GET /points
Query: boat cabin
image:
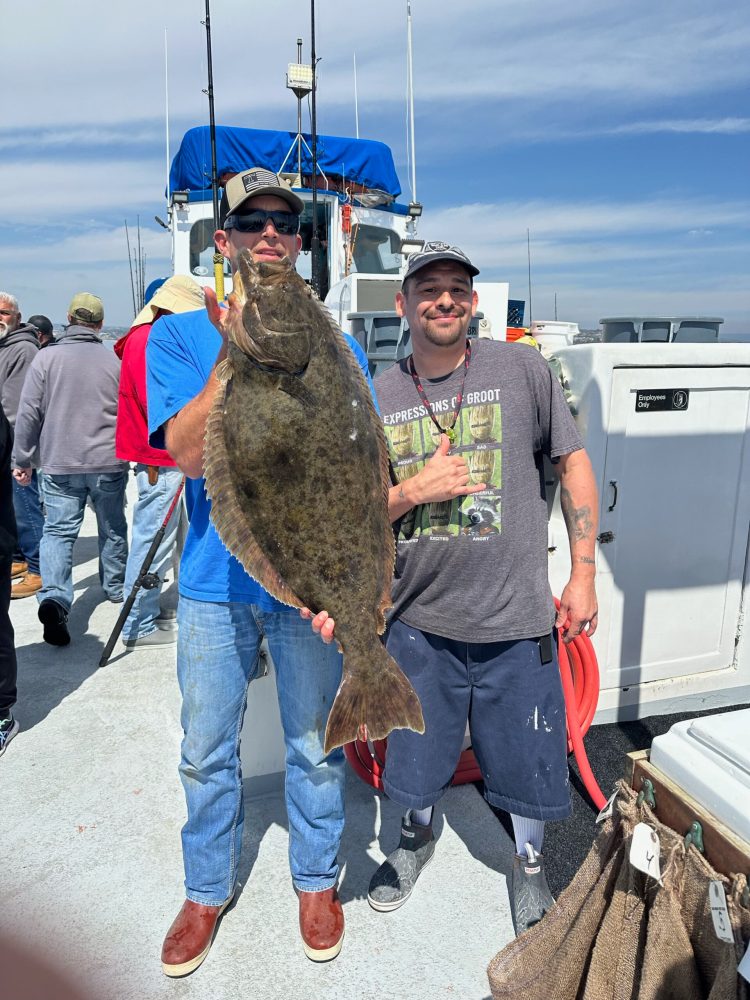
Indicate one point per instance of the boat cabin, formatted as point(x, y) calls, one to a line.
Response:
point(361, 225)
point(364, 232)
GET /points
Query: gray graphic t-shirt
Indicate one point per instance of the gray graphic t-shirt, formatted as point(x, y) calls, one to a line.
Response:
point(475, 569)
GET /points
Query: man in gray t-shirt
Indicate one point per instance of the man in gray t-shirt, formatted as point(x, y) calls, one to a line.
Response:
point(468, 424)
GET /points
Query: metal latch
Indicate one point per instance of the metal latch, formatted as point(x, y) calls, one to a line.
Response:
point(647, 794)
point(694, 836)
point(606, 536)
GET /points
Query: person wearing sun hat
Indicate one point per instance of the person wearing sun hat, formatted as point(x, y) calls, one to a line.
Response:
point(157, 476)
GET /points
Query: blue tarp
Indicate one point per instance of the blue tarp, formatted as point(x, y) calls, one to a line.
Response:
point(362, 161)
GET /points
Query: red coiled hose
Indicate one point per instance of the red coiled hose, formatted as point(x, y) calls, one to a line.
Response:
point(579, 673)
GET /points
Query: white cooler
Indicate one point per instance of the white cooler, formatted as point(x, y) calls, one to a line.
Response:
point(709, 758)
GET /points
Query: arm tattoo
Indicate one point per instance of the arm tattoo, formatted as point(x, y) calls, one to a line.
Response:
point(587, 559)
point(578, 519)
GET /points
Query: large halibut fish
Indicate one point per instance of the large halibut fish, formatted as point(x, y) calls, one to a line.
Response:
point(296, 466)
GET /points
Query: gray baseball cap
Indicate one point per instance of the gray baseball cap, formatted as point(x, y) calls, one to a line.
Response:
point(433, 252)
point(253, 182)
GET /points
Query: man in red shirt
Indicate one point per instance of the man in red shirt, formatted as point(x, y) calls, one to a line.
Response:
point(157, 476)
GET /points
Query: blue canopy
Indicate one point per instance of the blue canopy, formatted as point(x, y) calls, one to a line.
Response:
point(362, 161)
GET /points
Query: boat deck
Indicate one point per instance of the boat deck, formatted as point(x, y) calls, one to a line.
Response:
point(93, 871)
point(91, 842)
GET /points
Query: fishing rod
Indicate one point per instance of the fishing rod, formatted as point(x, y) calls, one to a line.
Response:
point(218, 258)
point(315, 241)
point(144, 579)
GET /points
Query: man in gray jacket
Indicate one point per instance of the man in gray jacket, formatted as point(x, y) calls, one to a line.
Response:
point(19, 345)
point(68, 409)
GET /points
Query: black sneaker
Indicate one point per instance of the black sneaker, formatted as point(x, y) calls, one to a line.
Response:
point(393, 882)
point(530, 896)
point(8, 729)
point(54, 617)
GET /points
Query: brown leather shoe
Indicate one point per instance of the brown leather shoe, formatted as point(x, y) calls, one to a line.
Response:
point(26, 586)
point(321, 924)
point(188, 940)
point(18, 568)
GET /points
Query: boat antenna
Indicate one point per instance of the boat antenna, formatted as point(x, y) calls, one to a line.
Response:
point(356, 102)
point(410, 102)
point(528, 255)
point(209, 92)
point(166, 112)
point(315, 241)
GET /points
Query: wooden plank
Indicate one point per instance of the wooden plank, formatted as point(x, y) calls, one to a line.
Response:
point(630, 763)
point(724, 850)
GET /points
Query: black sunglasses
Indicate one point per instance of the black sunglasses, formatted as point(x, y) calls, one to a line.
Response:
point(285, 223)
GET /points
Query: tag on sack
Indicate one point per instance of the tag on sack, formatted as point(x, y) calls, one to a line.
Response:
point(606, 810)
point(717, 900)
point(744, 967)
point(645, 850)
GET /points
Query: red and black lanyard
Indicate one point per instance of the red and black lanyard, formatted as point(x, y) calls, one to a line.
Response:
point(449, 431)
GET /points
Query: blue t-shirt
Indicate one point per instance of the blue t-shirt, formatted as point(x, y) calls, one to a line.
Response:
point(181, 352)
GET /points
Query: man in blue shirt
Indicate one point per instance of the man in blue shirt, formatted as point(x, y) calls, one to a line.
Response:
point(223, 616)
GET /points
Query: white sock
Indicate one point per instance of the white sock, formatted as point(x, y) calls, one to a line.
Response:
point(422, 817)
point(527, 831)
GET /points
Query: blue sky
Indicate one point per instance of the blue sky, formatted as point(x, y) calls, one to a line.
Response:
point(619, 135)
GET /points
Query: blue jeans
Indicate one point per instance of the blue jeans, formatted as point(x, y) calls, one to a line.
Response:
point(217, 657)
point(29, 521)
point(148, 515)
point(65, 501)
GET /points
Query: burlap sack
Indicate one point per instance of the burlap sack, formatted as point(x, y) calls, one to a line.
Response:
point(716, 960)
point(670, 971)
point(551, 959)
point(615, 969)
point(615, 934)
point(738, 903)
point(683, 958)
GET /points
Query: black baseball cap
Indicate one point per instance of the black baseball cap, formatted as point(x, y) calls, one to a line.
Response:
point(433, 252)
point(42, 324)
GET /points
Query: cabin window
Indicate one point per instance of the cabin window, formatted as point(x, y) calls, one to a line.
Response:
point(655, 331)
point(375, 250)
point(619, 333)
point(202, 249)
point(696, 332)
point(304, 261)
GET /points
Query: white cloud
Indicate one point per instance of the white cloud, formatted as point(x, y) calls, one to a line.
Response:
point(664, 256)
point(485, 225)
point(79, 189)
point(488, 52)
point(699, 126)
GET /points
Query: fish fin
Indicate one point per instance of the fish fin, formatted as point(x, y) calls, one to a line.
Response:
point(224, 370)
point(378, 696)
point(296, 388)
point(388, 540)
point(226, 513)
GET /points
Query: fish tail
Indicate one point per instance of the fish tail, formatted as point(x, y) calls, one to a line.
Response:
point(378, 696)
